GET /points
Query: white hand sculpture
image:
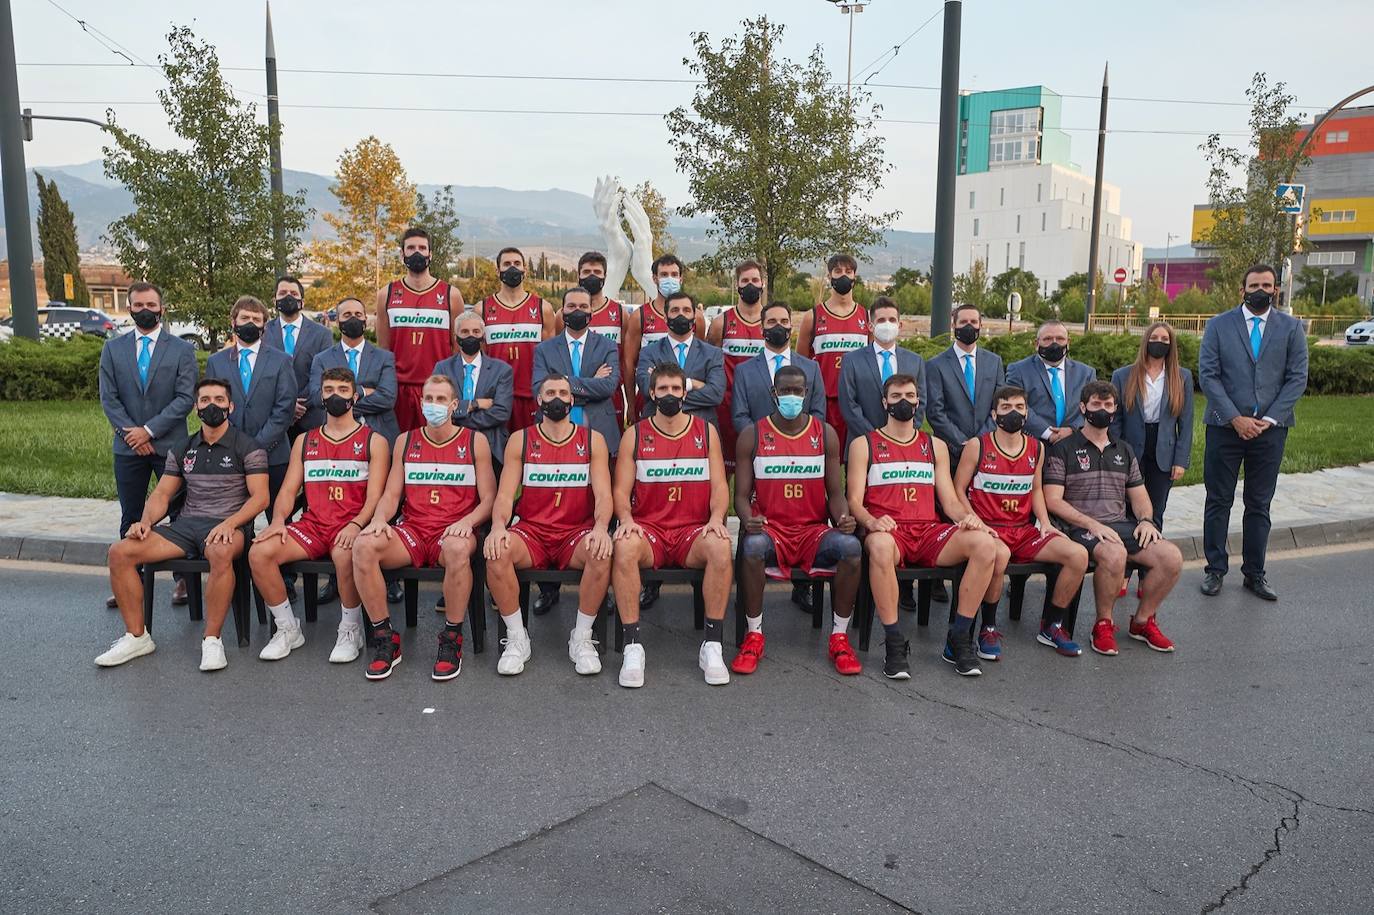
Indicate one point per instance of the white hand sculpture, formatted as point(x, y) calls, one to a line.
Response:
point(642, 258)
point(606, 205)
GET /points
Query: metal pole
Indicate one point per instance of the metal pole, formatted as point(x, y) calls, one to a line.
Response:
point(1168, 244)
point(1326, 271)
point(946, 171)
point(1091, 298)
point(274, 124)
point(15, 185)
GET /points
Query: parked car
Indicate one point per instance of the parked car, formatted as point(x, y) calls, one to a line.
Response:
point(1360, 334)
point(91, 320)
point(193, 334)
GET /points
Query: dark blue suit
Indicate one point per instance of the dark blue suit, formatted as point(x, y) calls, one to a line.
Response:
point(376, 370)
point(861, 390)
point(752, 394)
point(496, 382)
point(705, 363)
point(312, 339)
point(592, 394)
point(953, 416)
point(265, 411)
point(1032, 375)
point(1158, 447)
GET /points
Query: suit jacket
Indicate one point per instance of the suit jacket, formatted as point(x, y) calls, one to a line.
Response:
point(752, 392)
point(953, 416)
point(705, 362)
point(163, 407)
point(496, 382)
point(1174, 444)
point(269, 407)
point(861, 390)
point(1032, 375)
point(376, 370)
point(1236, 384)
point(592, 394)
point(312, 339)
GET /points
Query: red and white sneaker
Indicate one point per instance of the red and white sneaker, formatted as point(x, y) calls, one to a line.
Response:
point(1148, 632)
point(385, 647)
point(1104, 637)
point(842, 655)
point(750, 651)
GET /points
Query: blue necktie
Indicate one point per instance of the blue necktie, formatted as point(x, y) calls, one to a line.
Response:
point(290, 331)
point(469, 384)
point(682, 355)
point(887, 364)
point(245, 370)
point(352, 355)
point(1057, 391)
point(145, 358)
point(777, 364)
point(1255, 336)
point(576, 345)
point(968, 376)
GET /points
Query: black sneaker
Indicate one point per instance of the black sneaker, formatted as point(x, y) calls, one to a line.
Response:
point(450, 661)
point(896, 667)
point(801, 595)
point(385, 647)
point(906, 596)
point(330, 592)
point(961, 653)
point(547, 599)
point(648, 594)
point(395, 592)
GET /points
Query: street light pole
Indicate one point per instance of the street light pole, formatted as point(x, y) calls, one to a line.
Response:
point(1168, 245)
point(274, 124)
point(946, 172)
point(850, 8)
point(1326, 272)
point(14, 182)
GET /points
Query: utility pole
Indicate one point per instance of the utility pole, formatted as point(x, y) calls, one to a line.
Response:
point(274, 124)
point(1168, 243)
point(1091, 298)
point(946, 171)
point(850, 8)
point(1326, 272)
point(14, 182)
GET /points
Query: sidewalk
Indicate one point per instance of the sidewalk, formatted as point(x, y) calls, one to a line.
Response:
point(1309, 510)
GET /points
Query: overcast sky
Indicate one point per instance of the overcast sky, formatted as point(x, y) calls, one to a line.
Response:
point(1195, 51)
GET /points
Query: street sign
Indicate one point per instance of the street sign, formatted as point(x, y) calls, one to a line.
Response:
point(1120, 275)
point(1290, 198)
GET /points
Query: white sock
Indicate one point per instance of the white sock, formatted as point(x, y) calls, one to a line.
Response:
point(584, 623)
point(841, 623)
point(755, 623)
point(515, 624)
point(350, 616)
point(283, 615)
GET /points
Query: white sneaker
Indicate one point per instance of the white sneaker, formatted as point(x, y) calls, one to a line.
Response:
point(284, 641)
point(712, 664)
point(516, 654)
point(212, 654)
point(125, 648)
point(582, 652)
point(632, 666)
point(348, 646)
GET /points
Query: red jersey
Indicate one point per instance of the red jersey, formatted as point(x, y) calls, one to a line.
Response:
point(740, 340)
point(512, 335)
point(606, 321)
point(672, 475)
point(653, 326)
point(557, 480)
point(440, 479)
point(336, 472)
point(1000, 492)
point(789, 474)
point(421, 337)
point(901, 479)
point(832, 338)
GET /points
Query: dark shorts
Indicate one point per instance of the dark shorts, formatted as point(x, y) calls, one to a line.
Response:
point(1124, 529)
point(189, 533)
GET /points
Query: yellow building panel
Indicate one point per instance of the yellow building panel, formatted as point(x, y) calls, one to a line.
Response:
point(1336, 210)
point(1203, 220)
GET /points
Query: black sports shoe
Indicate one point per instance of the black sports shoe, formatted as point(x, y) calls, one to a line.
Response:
point(385, 647)
point(1211, 584)
point(648, 594)
point(906, 596)
point(330, 592)
point(450, 661)
point(896, 666)
point(395, 592)
point(1260, 587)
point(547, 599)
point(801, 595)
point(938, 592)
point(961, 654)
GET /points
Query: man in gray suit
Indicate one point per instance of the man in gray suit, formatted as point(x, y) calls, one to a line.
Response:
point(147, 388)
point(373, 368)
point(1052, 382)
point(1253, 369)
point(752, 395)
point(486, 387)
point(961, 381)
point(703, 363)
point(302, 340)
point(863, 372)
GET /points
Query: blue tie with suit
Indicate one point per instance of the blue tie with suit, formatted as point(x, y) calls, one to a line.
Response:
point(968, 376)
point(576, 358)
point(245, 369)
point(777, 364)
point(469, 381)
point(887, 364)
point(1255, 337)
point(1057, 392)
point(682, 356)
point(352, 355)
point(289, 341)
point(145, 358)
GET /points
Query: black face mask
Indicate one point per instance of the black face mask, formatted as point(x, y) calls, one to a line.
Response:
point(577, 319)
point(288, 305)
point(903, 411)
point(470, 345)
point(512, 277)
point(556, 409)
point(1259, 301)
point(680, 325)
point(1010, 422)
point(749, 294)
point(1157, 349)
point(842, 284)
point(416, 262)
point(146, 319)
point(966, 334)
point(337, 405)
point(1098, 419)
point(777, 336)
point(592, 283)
point(353, 328)
point(248, 333)
point(1053, 352)
point(668, 404)
point(212, 415)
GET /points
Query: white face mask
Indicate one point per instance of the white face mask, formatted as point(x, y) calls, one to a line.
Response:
point(885, 332)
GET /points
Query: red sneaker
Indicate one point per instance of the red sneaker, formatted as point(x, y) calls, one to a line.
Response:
point(1148, 632)
point(750, 651)
point(845, 660)
point(1104, 637)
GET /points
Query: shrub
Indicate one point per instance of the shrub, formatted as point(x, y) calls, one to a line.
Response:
point(55, 369)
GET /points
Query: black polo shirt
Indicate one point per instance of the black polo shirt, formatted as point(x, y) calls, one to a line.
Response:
point(216, 475)
point(1095, 481)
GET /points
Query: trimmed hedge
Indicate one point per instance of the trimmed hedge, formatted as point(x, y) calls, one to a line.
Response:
point(55, 369)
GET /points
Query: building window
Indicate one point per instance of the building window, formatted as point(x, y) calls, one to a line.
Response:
point(1008, 255)
point(1338, 136)
point(1331, 259)
point(975, 228)
point(1021, 259)
point(1039, 191)
point(1018, 223)
point(1002, 197)
point(1083, 198)
point(970, 199)
point(1043, 219)
point(1082, 222)
point(1338, 216)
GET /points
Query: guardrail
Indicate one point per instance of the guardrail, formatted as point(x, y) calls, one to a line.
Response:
point(1130, 322)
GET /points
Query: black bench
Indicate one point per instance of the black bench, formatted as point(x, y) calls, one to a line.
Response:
point(924, 577)
point(191, 570)
point(798, 577)
point(693, 577)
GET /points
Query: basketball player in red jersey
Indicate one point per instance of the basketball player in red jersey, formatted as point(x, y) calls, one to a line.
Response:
point(895, 475)
point(738, 331)
point(833, 328)
point(564, 511)
point(342, 466)
point(649, 324)
point(442, 482)
point(999, 480)
point(415, 320)
point(516, 323)
point(671, 498)
point(789, 488)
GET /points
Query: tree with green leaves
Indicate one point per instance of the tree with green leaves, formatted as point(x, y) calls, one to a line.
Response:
point(773, 152)
point(1249, 226)
point(201, 222)
point(438, 216)
point(1309, 281)
point(57, 241)
point(973, 288)
point(1014, 279)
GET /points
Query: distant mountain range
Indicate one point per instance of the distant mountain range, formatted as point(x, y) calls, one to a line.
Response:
point(557, 221)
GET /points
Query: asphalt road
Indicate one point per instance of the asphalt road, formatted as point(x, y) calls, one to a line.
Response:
point(1231, 776)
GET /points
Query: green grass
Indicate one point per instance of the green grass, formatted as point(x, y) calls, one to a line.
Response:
point(62, 448)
